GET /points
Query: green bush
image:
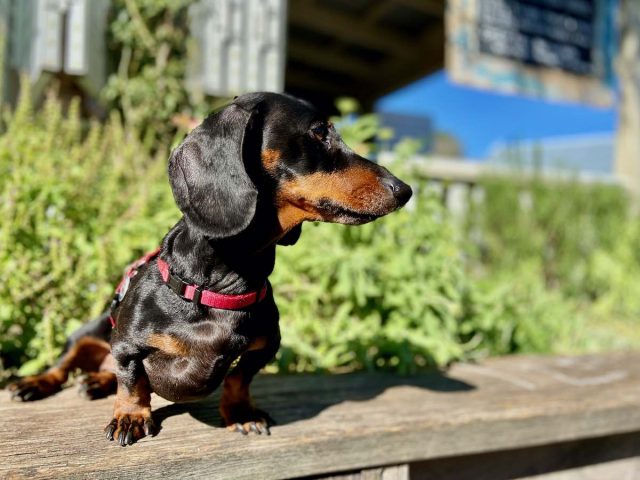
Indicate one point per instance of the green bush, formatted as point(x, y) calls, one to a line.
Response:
point(150, 50)
point(557, 224)
point(78, 204)
point(150, 42)
point(577, 241)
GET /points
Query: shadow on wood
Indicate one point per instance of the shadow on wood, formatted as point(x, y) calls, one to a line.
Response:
point(313, 393)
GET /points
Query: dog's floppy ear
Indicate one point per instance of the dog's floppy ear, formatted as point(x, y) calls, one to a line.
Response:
point(291, 237)
point(208, 176)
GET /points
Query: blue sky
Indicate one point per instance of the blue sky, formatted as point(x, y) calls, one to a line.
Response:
point(478, 118)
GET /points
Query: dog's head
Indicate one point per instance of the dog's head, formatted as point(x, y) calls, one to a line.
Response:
point(267, 148)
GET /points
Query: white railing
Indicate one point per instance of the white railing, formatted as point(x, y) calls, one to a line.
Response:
point(458, 179)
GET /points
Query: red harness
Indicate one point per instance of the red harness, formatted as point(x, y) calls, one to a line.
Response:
point(187, 291)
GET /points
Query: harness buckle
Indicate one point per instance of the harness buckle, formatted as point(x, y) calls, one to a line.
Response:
point(176, 284)
point(197, 295)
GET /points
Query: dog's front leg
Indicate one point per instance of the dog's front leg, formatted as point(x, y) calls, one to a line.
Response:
point(132, 410)
point(236, 406)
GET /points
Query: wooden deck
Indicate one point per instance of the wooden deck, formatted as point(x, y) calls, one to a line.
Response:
point(350, 423)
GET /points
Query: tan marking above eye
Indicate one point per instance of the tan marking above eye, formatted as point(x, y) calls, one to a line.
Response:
point(270, 159)
point(358, 189)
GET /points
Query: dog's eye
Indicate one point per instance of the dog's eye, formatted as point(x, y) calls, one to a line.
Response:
point(320, 131)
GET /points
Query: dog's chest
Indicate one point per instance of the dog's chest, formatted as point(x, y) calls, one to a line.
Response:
point(191, 363)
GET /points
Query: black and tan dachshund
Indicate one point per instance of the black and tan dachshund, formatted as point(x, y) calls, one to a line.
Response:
point(245, 180)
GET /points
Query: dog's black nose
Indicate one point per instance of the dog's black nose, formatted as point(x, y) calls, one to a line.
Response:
point(401, 191)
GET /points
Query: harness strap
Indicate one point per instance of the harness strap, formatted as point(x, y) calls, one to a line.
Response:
point(208, 298)
point(190, 292)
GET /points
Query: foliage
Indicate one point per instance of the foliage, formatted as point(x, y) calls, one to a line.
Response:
point(358, 130)
point(577, 240)
point(557, 224)
point(77, 205)
point(148, 86)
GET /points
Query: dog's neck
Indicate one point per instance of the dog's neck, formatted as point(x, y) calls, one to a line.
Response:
point(231, 266)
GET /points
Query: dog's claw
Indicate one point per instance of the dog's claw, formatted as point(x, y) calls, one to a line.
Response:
point(82, 383)
point(19, 394)
point(246, 419)
point(129, 437)
point(237, 427)
point(127, 429)
point(149, 427)
point(263, 427)
point(109, 429)
point(33, 388)
point(258, 427)
point(254, 428)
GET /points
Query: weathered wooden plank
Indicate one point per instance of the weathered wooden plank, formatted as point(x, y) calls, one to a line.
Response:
point(612, 455)
point(337, 423)
point(394, 472)
point(625, 469)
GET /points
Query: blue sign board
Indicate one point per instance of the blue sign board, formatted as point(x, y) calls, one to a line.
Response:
point(554, 49)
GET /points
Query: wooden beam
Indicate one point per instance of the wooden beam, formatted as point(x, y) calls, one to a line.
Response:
point(377, 11)
point(314, 16)
point(427, 57)
point(373, 80)
point(337, 423)
point(332, 60)
point(410, 59)
point(430, 7)
point(297, 79)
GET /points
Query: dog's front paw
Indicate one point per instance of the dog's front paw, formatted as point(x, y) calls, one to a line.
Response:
point(128, 428)
point(35, 387)
point(244, 418)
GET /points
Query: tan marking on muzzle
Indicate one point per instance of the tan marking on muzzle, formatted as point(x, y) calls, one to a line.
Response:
point(358, 189)
point(290, 216)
